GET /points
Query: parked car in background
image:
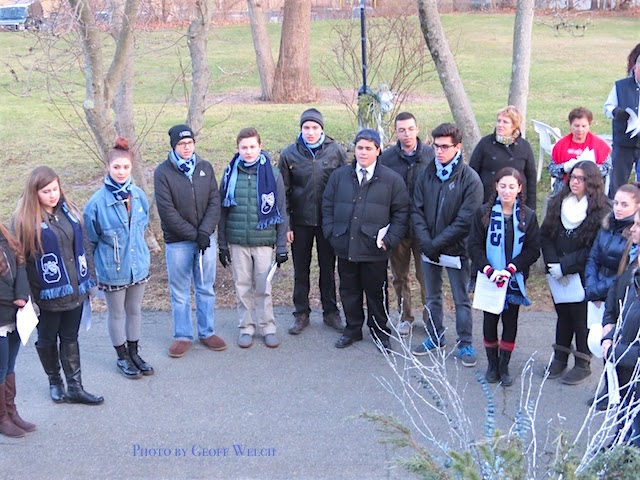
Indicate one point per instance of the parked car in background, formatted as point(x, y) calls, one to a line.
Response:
point(21, 15)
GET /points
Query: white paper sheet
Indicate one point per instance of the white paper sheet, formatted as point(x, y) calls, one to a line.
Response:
point(381, 233)
point(633, 124)
point(85, 320)
point(272, 273)
point(448, 261)
point(587, 155)
point(594, 314)
point(568, 289)
point(594, 340)
point(26, 321)
point(614, 386)
point(488, 296)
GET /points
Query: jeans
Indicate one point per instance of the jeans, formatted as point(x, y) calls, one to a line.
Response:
point(58, 324)
point(184, 267)
point(9, 347)
point(458, 280)
point(301, 249)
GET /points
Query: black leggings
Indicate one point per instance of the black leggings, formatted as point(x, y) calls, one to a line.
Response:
point(572, 320)
point(59, 324)
point(509, 325)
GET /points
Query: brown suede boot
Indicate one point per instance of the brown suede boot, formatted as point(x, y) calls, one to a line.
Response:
point(7, 427)
point(10, 395)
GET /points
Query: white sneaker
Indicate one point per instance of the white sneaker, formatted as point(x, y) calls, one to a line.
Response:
point(404, 328)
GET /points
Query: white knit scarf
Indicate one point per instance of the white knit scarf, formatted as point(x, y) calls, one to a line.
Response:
point(573, 212)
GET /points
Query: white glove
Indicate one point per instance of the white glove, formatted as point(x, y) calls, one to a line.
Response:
point(505, 275)
point(569, 165)
point(555, 270)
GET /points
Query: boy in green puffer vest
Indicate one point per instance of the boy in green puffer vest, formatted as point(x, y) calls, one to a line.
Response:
point(253, 220)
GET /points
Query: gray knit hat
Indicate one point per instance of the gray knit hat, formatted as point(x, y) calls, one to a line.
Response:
point(312, 115)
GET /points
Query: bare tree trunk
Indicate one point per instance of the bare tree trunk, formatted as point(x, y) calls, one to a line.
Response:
point(197, 40)
point(262, 46)
point(438, 45)
point(292, 82)
point(520, 65)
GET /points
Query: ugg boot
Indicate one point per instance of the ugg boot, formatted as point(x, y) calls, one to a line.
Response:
point(580, 371)
point(559, 363)
point(125, 365)
point(51, 364)
point(144, 367)
point(493, 374)
point(503, 367)
point(70, 356)
point(7, 427)
point(10, 395)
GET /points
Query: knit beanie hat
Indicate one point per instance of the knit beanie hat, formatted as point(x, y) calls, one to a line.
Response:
point(178, 132)
point(368, 134)
point(312, 115)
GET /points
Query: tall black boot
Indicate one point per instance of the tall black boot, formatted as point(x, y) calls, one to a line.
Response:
point(493, 374)
point(70, 356)
point(125, 364)
point(580, 371)
point(144, 367)
point(503, 367)
point(51, 364)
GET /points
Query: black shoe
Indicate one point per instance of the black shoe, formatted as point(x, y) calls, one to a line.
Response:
point(144, 367)
point(386, 345)
point(344, 341)
point(70, 357)
point(300, 322)
point(503, 368)
point(125, 364)
point(51, 364)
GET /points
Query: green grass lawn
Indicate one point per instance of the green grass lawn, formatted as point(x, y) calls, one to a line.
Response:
point(566, 72)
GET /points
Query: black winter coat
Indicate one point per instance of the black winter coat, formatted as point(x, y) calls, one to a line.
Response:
point(530, 250)
point(185, 206)
point(305, 177)
point(353, 215)
point(607, 250)
point(441, 213)
point(13, 283)
point(490, 156)
point(408, 166)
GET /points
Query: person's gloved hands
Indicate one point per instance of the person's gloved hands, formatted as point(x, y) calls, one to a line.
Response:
point(281, 258)
point(620, 114)
point(225, 257)
point(555, 270)
point(569, 165)
point(493, 275)
point(203, 241)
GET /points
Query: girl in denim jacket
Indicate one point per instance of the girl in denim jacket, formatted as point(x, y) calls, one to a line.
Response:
point(116, 218)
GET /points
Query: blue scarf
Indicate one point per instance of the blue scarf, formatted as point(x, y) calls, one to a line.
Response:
point(516, 293)
point(186, 166)
point(313, 147)
point(268, 213)
point(121, 191)
point(53, 277)
point(444, 171)
point(633, 253)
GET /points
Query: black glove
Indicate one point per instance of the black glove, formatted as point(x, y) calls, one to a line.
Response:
point(203, 241)
point(620, 114)
point(225, 257)
point(281, 258)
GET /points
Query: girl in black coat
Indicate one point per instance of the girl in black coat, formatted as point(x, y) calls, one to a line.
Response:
point(567, 233)
point(14, 293)
point(503, 243)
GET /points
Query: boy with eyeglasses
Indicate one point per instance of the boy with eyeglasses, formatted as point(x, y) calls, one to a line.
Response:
point(446, 196)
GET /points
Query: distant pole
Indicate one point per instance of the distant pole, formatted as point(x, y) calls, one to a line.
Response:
point(363, 36)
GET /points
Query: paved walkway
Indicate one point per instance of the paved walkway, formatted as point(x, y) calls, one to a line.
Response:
point(257, 413)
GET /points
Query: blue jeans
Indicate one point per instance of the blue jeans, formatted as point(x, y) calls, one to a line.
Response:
point(433, 284)
point(183, 267)
point(9, 347)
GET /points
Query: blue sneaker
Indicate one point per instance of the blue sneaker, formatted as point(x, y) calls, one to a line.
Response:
point(426, 347)
point(467, 355)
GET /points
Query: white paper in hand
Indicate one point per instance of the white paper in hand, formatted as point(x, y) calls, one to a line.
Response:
point(272, 273)
point(488, 296)
point(85, 320)
point(381, 233)
point(587, 155)
point(26, 321)
point(568, 289)
point(633, 124)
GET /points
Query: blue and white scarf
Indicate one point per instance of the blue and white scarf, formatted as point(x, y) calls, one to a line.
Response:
point(186, 166)
point(496, 252)
point(268, 213)
point(313, 147)
point(444, 171)
point(121, 191)
point(52, 273)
